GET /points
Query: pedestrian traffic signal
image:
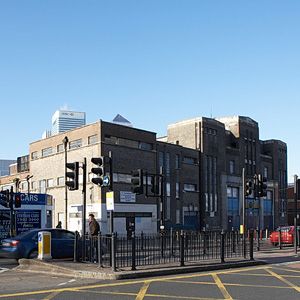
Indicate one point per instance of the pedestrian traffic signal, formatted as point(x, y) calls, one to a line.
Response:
point(17, 201)
point(4, 198)
point(262, 186)
point(99, 171)
point(73, 175)
point(248, 188)
point(137, 181)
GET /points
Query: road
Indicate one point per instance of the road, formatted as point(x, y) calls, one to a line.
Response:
point(278, 281)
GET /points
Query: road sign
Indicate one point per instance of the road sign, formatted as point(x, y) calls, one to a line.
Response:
point(106, 181)
point(110, 201)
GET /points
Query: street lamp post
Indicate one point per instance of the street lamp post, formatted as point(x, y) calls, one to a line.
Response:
point(65, 142)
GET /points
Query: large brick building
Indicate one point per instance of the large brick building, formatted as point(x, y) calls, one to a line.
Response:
point(202, 162)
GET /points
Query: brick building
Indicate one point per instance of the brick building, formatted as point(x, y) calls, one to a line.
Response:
point(202, 162)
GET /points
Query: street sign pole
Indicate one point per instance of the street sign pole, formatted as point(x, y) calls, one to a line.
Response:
point(83, 208)
point(295, 212)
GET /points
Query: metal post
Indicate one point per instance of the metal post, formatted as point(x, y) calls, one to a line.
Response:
point(295, 212)
point(99, 250)
point(251, 245)
point(113, 252)
point(133, 268)
point(84, 208)
point(279, 238)
point(244, 213)
point(12, 213)
point(181, 248)
point(65, 141)
point(76, 247)
point(222, 247)
point(111, 213)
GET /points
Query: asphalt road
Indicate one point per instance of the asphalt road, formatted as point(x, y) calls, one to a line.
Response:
point(281, 281)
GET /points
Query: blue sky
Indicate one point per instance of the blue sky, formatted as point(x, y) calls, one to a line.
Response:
point(155, 62)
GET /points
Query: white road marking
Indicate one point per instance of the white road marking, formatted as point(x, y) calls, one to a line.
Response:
point(2, 270)
point(64, 283)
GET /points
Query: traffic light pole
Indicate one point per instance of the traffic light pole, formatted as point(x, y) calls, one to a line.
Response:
point(111, 212)
point(83, 207)
point(244, 213)
point(12, 215)
point(295, 212)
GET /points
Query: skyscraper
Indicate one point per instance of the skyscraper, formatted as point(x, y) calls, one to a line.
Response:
point(64, 120)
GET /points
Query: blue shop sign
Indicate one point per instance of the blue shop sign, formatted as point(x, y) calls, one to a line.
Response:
point(35, 199)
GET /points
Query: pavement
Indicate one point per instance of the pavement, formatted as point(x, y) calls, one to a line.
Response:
point(268, 255)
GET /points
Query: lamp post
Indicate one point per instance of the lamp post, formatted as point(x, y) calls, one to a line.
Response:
point(27, 179)
point(65, 142)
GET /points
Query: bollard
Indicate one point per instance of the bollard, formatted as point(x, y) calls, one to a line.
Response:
point(133, 268)
point(44, 245)
point(76, 246)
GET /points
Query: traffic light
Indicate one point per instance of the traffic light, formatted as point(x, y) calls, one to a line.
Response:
point(73, 175)
point(17, 201)
point(4, 196)
point(262, 186)
point(137, 181)
point(248, 188)
point(99, 171)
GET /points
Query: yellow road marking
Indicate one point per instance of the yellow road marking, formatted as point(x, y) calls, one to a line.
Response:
point(221, 286)
point(143, 290)
point(52, 295)
point(284, 280)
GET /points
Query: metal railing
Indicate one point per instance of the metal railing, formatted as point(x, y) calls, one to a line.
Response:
point(177, 247)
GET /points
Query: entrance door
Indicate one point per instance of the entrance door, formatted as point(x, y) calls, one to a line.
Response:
point(130, 226)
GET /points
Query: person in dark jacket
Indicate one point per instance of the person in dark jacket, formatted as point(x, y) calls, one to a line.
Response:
point(94, 225)
point(94, 230)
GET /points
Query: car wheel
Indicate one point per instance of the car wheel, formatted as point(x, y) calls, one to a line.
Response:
point(33, 254)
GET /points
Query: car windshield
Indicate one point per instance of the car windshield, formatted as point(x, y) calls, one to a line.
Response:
point(284, 229)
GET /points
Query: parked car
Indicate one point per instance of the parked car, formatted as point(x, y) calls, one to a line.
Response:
point(26, 245)
point(287, 235)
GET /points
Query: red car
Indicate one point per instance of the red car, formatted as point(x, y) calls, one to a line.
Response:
point(287, 235)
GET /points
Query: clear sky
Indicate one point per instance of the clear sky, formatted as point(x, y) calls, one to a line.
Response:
point(155, 62)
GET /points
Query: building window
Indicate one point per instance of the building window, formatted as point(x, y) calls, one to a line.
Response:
point(76, 144)
point(60, 181)
point(168, 167)
point(160, 159)
point(24, 186)
point(50, 183)
point(177, 166)
point(177, 190)
point(266, 172)
point(189, 187)
point(92, 139)
point(146, 146)
point(60, 148)
point(231, 167)
point(42, 186)
point(34, 155)
point(190, 160)
point(47, 151)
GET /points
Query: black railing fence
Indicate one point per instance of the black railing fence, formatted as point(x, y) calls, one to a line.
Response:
point(118, 251)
